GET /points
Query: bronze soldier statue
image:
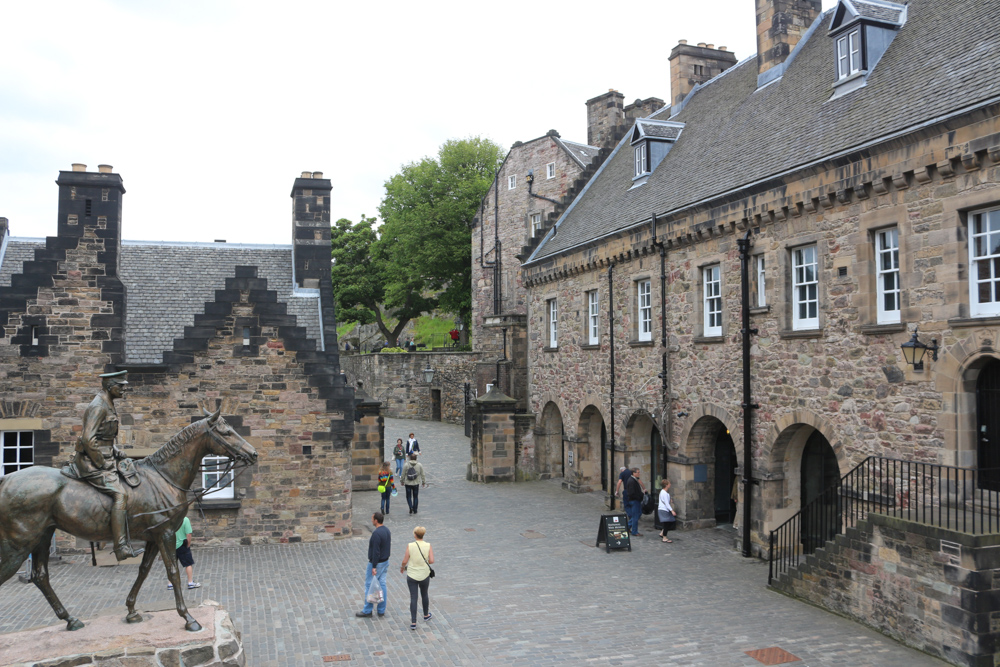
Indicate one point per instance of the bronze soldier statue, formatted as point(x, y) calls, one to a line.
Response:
point(97, 456)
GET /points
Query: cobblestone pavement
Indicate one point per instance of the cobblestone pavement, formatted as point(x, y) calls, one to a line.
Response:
point(519, 582)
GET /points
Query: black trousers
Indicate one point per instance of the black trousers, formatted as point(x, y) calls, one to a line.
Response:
point(412, 491)
point(413, 586)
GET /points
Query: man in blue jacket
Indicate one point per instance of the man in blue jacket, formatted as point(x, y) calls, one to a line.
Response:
point(378, 564)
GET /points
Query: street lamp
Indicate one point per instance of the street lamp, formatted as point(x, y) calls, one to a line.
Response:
point(428, 374)
point(914, 351)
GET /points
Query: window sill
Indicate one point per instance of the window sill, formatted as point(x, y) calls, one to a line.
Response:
point(761, 310)
point(699, 340)
point(595, 346)
point(550, 349)
point(879, 329)
point(640, 343)
point(985, 321)
point(806, 333)
point(221, 504)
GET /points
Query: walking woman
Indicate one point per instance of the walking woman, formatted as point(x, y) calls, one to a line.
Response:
point(668, 517)
point(417, 565)
point(386, 484)
point(399, 456)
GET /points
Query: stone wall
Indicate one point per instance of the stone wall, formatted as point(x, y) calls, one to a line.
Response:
point(931, 588)
point(396, 380)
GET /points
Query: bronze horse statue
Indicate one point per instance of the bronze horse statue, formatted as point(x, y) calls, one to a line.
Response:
point(35, 501)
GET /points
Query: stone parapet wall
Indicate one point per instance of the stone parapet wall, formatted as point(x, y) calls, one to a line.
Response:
point(931, 588)
point(396, 380)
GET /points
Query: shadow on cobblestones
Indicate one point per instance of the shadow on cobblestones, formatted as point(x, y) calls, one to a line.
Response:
point(518, 582)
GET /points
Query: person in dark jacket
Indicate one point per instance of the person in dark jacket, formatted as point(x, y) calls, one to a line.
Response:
point(412, 446)
point(633, 493)
point(378, 563)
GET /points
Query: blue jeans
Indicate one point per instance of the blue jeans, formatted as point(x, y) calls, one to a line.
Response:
point(380, 571)
point(399, 467)
point(386, 497)
point(634, 512)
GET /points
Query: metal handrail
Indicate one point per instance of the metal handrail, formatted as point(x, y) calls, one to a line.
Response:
point(962, 499)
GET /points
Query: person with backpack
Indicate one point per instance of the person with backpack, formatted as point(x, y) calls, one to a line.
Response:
point(399, 456)
point(413, 477)
point(634, 491)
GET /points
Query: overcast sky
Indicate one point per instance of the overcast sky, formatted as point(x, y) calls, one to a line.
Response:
point(209, 110)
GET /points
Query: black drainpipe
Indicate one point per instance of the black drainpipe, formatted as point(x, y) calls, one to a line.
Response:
point(663, 344)
point(531, 179)
point(748, 406)
point(611, 337)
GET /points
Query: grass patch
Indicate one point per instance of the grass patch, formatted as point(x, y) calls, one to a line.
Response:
point(432, 331)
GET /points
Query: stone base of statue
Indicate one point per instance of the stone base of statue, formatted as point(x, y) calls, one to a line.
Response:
point(159, 641)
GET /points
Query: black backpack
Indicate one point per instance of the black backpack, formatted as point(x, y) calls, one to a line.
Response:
point(411, 473)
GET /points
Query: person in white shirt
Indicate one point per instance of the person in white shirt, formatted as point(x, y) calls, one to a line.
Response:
point(668, 517)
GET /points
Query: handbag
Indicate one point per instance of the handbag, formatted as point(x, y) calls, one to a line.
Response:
point(425, 560)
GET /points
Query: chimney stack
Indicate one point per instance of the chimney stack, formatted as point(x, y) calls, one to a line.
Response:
point(605, 115)
point(693, 65)
point(780, 26)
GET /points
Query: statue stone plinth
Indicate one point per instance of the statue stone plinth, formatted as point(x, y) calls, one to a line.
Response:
point(108, 640)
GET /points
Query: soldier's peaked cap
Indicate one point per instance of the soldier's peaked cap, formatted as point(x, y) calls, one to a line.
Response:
point(116, 374)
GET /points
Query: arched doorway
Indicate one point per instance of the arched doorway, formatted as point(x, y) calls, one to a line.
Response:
point(819, 475)
point(643, 450)
point(551, 451)
point(583, 461)
point(726, 464)
point(988, 426)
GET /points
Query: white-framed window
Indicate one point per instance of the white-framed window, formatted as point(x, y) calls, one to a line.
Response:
point(536, 224)
point(849, 54)
point(887, 270)
point(593, 319)
point(641, 159)
point(511, 182)
point(645, 309)
point(984, 261)
point(805, 288)
point(712, 280)
point(553, 323)
point(489, 387)
point(550, 170)
point(761, 274)
point(17, 450)
point(214, 479)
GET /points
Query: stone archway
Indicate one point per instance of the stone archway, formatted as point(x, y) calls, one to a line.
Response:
point(583, 453)
point(644, 450)
point(705, 472)
point(550, 449)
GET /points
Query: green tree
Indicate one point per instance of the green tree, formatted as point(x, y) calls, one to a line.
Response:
point(427, 216)
point(362, 270)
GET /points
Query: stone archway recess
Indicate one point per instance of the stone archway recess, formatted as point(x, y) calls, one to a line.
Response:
point(638, 430)
point(583, 453)
point(691, 468)
point(955, 376)
point(780, 489)
point(550, 448)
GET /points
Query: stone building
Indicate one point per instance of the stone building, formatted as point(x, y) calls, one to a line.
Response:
point(249, 328)
point(858, 153)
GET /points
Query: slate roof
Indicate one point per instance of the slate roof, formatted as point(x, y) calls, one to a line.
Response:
point(167, 284)
point(880, 11)
point(945, 58)
point(656, 128)
point(584, 154)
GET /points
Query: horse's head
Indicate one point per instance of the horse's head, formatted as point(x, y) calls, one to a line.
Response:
point(227, 442)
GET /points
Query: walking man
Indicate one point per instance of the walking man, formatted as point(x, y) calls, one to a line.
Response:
point(378, 564)
point(633, 493)
point(413, 477)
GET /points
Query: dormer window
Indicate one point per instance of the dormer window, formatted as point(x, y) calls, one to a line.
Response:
point(849, 54)
point(651, 141)
point(861, 31)
point(641, 159)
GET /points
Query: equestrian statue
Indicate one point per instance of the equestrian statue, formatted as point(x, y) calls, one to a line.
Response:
point(104, 496)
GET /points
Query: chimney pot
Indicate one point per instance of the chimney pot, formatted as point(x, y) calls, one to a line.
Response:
point(710, 46)
point(317, 174)
point(104, 168)
point(722, 48)
point(79, 167)
point(702, 44)
point(682, 41)
point(307, 174)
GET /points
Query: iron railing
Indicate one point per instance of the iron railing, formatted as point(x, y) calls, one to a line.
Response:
point(960, 499)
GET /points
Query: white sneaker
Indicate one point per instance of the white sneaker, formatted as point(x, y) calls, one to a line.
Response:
point(193, 585)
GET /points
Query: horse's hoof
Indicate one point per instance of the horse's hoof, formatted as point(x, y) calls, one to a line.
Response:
point(134, 617)
point(192, 626)
point(73, 624)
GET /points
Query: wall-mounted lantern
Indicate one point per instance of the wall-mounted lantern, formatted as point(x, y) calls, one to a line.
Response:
point(914, 351)
point(428, 374)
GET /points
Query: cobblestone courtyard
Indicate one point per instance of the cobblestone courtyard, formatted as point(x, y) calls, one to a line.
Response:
point(519, 582)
